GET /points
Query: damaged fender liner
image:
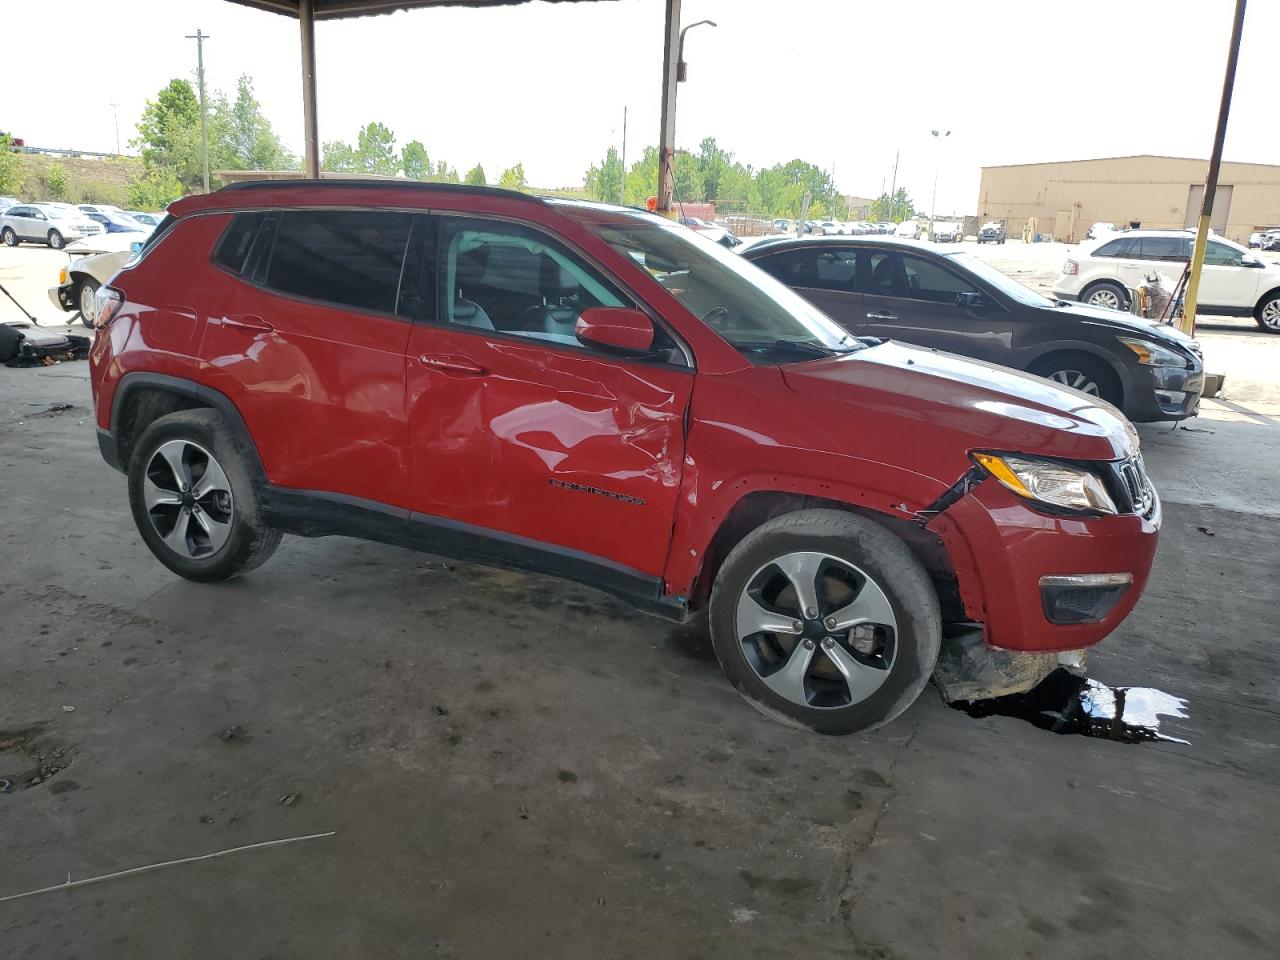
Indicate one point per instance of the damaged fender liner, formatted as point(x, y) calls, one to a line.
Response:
point(934, 519)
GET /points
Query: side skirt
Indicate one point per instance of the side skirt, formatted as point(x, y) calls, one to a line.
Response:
point(310, 513)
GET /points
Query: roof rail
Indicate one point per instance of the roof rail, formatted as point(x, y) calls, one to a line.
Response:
point(362, 184)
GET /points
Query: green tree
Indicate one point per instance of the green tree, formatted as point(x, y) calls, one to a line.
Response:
point(250, 142)
point(895, 208)
point(446, 174)
point(513, 178)
point(164, 130)
point(414, 160)
point(605, 181)
point(376, 150)
point(338, 156)
point(154, 190)
point(10, 166)
point(475, 176)
point(642, 179)
point(55, 180)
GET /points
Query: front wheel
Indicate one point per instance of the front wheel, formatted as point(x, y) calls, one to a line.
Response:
point(56, 241)
point(825, 620)
point(84, 299)
point(1081, 372)
point(193, 500)
point(1268, 313)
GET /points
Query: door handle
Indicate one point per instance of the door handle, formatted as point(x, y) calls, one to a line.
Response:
point(881, 315)
point(452, 365)
point(249, 322)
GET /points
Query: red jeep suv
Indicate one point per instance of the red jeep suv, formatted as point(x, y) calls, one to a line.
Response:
point(599, 393)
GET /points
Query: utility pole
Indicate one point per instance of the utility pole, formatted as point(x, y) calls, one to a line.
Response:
point(939, 136)
point(115, 109)
point(1188, 324)
point(622, 191)
point(893, 187)
point(200, 37)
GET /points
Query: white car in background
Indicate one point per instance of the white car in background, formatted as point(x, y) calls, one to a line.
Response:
point(55, 224)
point(1099, 229)
point(910, 229)
point(947, 232)
point(93, 263)
point(1234, 283)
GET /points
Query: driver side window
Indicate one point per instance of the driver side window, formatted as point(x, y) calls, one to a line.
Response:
point(893, 274)
point(1220, 255)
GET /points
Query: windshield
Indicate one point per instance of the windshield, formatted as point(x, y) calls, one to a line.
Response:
point(1009, 287)
point(60, 213)
point(758, 316)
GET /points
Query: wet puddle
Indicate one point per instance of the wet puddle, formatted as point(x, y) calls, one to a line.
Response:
point(1065, 703)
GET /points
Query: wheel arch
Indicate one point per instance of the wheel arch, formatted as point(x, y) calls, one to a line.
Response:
point(1058, 352)
point(142, 398)
point(1103, 282)
point(1257, 307)
point(759, 506)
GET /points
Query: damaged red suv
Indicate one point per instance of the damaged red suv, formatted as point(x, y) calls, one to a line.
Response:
point(601, 394)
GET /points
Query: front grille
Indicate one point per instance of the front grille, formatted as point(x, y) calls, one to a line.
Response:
point(1135, 483)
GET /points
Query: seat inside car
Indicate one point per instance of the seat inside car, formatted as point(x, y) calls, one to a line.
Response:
point(553, 317)
point(467, 312)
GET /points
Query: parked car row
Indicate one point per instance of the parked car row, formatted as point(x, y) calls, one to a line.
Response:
point(57, 224)
point(854, 501)
point(1265, 239)
point(846, 228)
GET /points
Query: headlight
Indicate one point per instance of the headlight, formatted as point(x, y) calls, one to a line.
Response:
point(1152, 354)
point(1048, 482)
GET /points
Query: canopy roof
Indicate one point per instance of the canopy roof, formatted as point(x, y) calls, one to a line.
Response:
point(337, 9)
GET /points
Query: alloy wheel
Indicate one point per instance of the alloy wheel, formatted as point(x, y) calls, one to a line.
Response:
point(87, 294)
point(1106, 298)
point(817, 630)
point(188, 499)
point(1271, 314)
point(1078, 380)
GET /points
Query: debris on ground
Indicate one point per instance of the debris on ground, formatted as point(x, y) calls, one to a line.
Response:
point(1206, 531)
point(289, 799)
point(236, 734)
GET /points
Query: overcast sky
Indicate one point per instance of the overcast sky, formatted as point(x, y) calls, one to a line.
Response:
point(841, 83)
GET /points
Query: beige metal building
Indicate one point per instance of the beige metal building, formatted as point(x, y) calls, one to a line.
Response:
point(1065, 198)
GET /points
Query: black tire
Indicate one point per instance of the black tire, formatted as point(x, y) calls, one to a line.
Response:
point(886, 560)
point(10, 238)
point(1061, 367)
point(86, 287)
point(56, 240)
point(1267, 313)
point(1106, 291)
point(250, 541)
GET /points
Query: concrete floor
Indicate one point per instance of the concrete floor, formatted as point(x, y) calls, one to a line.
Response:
point(513, 766)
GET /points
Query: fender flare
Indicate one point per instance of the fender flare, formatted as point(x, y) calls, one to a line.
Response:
point(204, 396)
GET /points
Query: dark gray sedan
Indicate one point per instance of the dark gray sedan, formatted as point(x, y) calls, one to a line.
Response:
point(903, 290)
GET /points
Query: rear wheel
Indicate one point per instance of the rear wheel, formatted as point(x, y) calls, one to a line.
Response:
point(56, 241)
point(1268, 313)
point(825, 620)
point(10, 238)
point(85, 294)
point(1108, 295)
point(193, 501)
point(1081, 372)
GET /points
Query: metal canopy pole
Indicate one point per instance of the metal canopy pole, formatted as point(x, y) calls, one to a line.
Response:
point(311, 132)
point(667, 137)
point(1188, 324)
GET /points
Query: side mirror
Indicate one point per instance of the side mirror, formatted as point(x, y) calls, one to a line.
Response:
point(135, 247)
point(1251, 262)
point(617, 329)
point(971, 299)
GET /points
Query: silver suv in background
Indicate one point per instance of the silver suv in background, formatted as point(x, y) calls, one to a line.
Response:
point(55, 224)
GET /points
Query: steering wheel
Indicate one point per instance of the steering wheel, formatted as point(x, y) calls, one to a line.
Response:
point(714, 311)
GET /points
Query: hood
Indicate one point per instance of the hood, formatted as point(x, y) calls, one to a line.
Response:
point(1124, 323)
point(990, 407)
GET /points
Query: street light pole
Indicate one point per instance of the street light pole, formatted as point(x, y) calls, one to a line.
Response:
point(115, 110)
point(200, 37)
point(674, 69)
point(939, 135)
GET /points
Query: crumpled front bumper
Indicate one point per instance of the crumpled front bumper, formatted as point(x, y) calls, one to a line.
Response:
point(1000, 549)
point(62, 298)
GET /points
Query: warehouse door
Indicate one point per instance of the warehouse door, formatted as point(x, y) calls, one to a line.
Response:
point(1221, 207)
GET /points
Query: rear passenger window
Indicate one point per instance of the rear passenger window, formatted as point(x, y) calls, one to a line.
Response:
point(1163, 248)
point(348, 257)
